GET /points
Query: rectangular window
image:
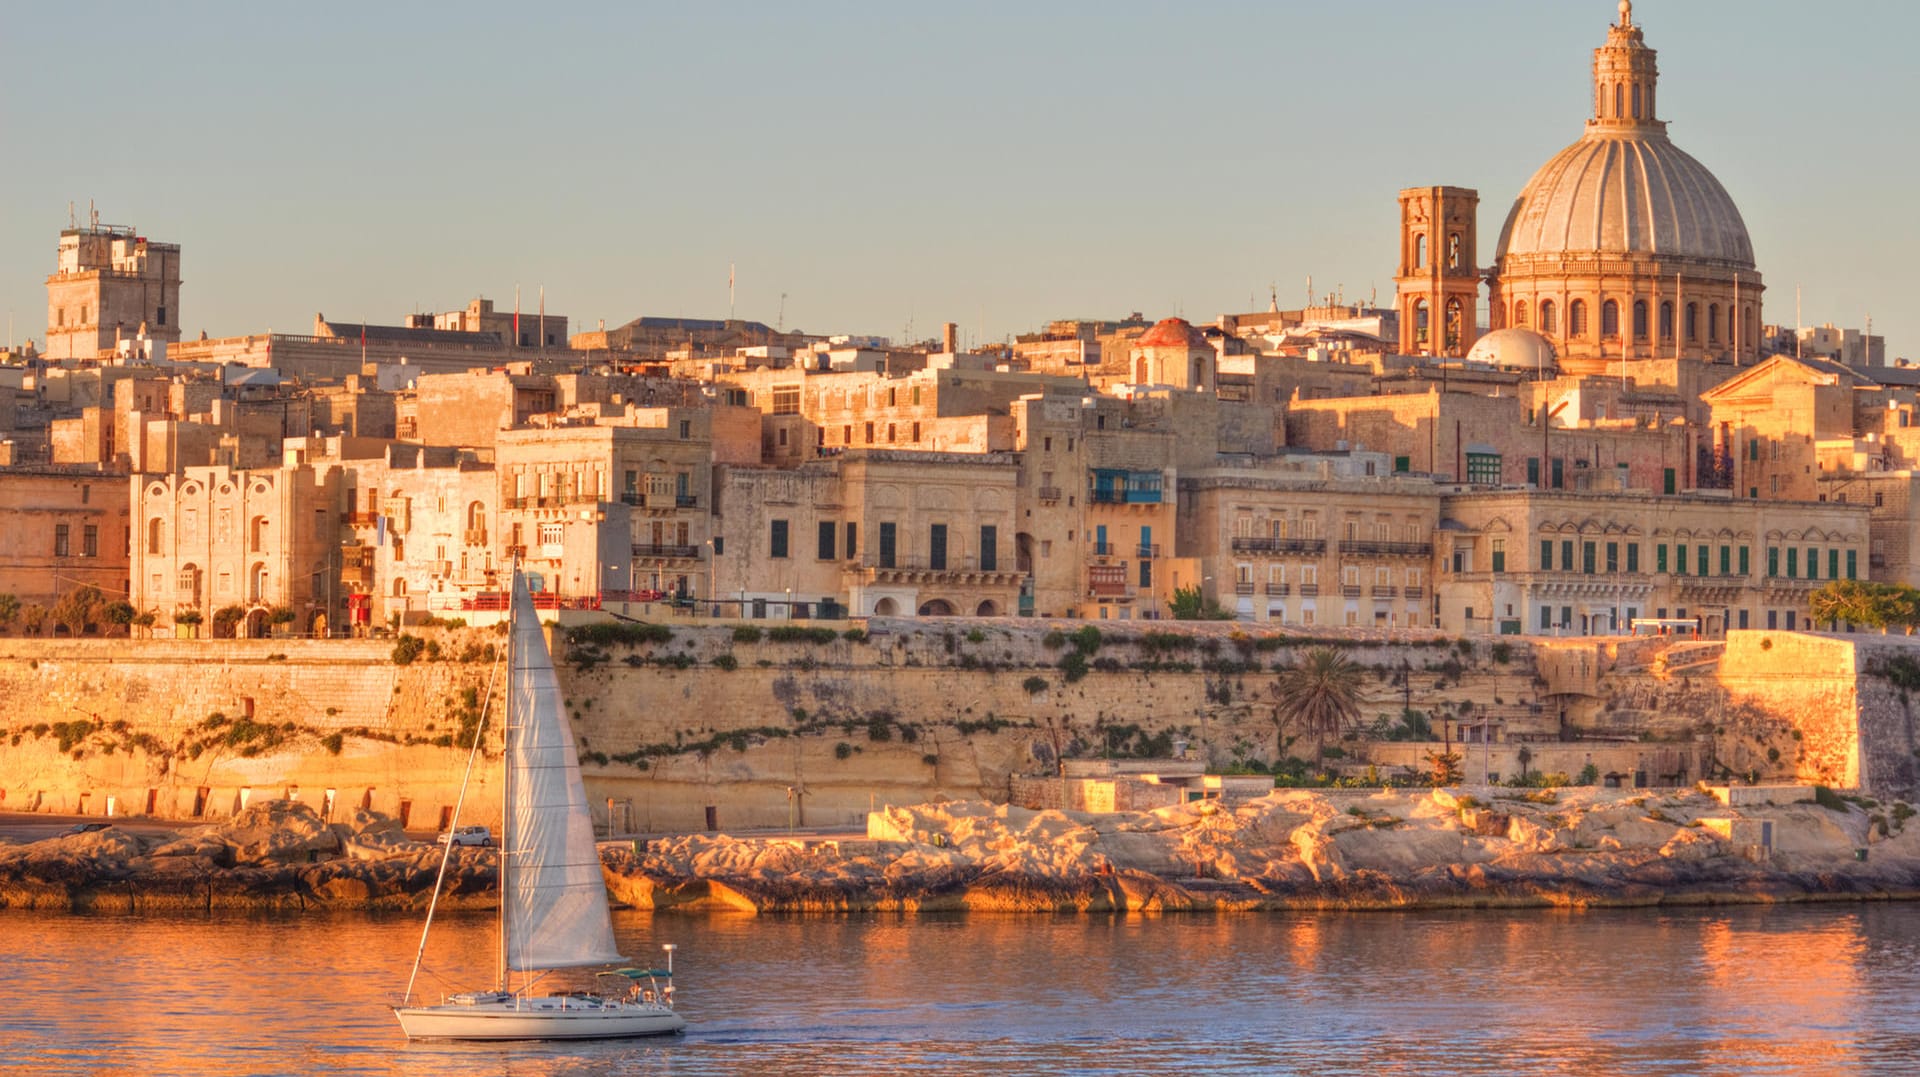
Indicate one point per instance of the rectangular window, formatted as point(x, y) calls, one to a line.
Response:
point(1813, 563)
point(1743, 618)
point(937, 547)
point(853, 544)
point(1745, 567)
point(1668, 482)
point(1546, 555)
point(1499, 555)
point(888, 533)
point(828, 531)
point(1679, 559)
point(1559, 473)
point(1586, 558)
point(60, 540)
point(1633, 557)
point(1726, 560)
point(1546, 618)
point(1700, 564)
point(1483, 469)
point(1613, 557)
point(1566, 556)
point(1833, 564)
point(786, 400)
point(719, 545)
point(1533, 471)
point(777, 539)
point(1793, 562)
point(1146, 575)
point(1660, 558)
point(1853, 564)
point(1773, 561)
point(90, 541)
point(990, 548)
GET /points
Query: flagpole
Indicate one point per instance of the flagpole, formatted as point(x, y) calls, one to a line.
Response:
point(543, 319)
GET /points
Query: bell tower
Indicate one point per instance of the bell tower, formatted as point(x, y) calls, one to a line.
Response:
point(1438, 282)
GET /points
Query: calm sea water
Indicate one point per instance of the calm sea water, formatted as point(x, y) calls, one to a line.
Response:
point(1831, 989)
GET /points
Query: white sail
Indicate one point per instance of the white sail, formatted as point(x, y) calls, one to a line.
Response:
point(555, 899)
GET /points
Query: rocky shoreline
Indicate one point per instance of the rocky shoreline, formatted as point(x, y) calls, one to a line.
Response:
point(1293, 850)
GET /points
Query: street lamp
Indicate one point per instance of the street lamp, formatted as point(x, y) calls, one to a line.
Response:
point(711, 567)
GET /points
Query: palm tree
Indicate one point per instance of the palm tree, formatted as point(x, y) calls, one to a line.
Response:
point(1319, 696)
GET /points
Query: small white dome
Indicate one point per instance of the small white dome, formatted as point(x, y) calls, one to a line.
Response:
point(1515, 349)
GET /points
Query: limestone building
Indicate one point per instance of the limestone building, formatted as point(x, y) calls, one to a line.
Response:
point(1557, 563)
point(875, 532)
point(1329, 540)
point(210, 538)
point(111, 284)
point(62, 528)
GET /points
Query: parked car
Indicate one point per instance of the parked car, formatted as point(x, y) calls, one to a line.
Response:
point(469, 835)
point(87, 828)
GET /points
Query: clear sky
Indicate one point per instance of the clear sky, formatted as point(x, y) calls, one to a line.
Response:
point(900, 163)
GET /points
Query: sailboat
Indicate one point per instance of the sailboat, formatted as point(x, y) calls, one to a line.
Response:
point(553, 901)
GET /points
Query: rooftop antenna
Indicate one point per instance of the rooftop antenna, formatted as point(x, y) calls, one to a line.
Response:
point(72, 221)
point(781, 323)
point(93, 216)
point(1309, 289)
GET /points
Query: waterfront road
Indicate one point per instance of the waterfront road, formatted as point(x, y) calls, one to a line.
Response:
point(24, 827)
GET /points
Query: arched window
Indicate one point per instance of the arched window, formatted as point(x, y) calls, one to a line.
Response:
point(1577, 318)
point(1693, 322)
point(1520, 313)
point(257, 534)
point(1420, 321)
point(156, 534)
point(189, 583)
point(1619, 98)
point(1666, 321)
point(1549, 317)
point(1639, 319)
point(1713, 322)
point(1636, 100)
point(1420, 251)
point(1453, 324)
point(257, 584)
point(1453, 250)
point(1199, 373)
point(1609, 319)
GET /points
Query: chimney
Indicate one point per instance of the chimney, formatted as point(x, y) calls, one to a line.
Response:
point(950, 338)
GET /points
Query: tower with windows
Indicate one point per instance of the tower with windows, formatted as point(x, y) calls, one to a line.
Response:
point(1438, 283)
point(109, 285)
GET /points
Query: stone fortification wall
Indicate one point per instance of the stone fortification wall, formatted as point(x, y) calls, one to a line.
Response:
point(669, 728)
point(818, 729)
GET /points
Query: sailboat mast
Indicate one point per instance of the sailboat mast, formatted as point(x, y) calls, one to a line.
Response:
point(506, 766)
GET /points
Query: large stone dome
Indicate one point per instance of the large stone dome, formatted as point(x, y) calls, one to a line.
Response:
point(1622, 246)
point(1626, 193)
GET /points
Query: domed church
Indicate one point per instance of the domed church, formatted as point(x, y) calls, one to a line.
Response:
point(1621, 246)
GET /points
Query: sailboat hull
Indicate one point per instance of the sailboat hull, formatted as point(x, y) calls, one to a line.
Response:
point(556, 1018)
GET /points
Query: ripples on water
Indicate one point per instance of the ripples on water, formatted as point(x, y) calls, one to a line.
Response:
point(1746, 991)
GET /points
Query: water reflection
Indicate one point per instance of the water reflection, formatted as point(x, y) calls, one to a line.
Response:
point(1749, 991)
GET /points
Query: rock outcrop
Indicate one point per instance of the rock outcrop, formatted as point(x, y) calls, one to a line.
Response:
point(273, 856)
point(1294, 849)
point(1297, 849)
